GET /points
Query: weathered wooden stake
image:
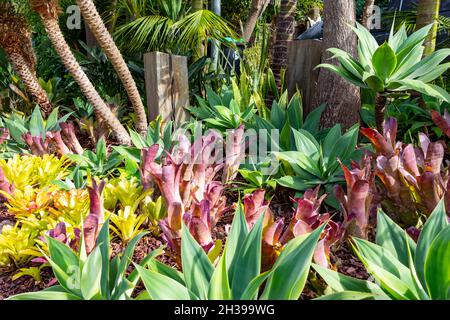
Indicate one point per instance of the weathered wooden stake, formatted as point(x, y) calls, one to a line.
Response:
point(303, 57)
point(167, 86)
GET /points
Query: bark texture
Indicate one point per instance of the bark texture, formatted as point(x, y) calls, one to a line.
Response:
point(99, 30)
point(28, 77)
point(367, 12)
point(285, 28)
point(427, 13)
point(342, 98)
point(71, 64)
point(256, 10)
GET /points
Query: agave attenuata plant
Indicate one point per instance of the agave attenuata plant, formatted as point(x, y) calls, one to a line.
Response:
point(392, 68)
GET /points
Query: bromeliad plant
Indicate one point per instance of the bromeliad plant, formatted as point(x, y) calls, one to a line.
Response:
point(392, 68)
point(412, 178)
point(403, 269)
point(237, 275)
point(93, 276)
point(185, 179)
point(43, 136)
point(305, 219)
point(358, 203)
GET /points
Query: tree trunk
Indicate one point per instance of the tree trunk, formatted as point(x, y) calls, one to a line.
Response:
point(427, 13)
point(71, 64)
point(367, 13)
point(285, 28)
point(30, 80)
point(257, 9)
point(97, 27)
point(380, 104)
point(342, 98)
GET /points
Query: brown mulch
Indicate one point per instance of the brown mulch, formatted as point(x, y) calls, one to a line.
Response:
point(8, 287)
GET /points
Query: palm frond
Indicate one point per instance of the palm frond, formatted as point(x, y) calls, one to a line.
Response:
point(198, 26)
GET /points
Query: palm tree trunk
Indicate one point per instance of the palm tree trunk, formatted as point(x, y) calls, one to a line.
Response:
point(257, 8)
point(97, 27)
point(380, 104)
point(30, 80)
point(71, 64)
point(342, 98)
point(367, 12)
point(427, 13)
point(284, 33)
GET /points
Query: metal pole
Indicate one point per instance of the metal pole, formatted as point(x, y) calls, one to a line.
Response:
point(216, 8)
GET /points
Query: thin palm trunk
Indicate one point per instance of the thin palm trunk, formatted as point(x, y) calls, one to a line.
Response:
point(98, 28)
point(284, 33)
point(15, 39)
point(427, 13)
point(71, 64)
point(367, 13)
point(256, 10)
point(28, 77)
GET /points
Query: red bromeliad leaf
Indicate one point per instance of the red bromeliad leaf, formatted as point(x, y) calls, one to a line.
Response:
point(442, 122)
point(254, 206)
point(70, 138)
point(4, 134)
point(5, 186)
point(434, 157)
point(390, 130)
point(90, 232)
point(378, 141)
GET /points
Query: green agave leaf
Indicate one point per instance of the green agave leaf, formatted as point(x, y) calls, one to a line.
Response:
point(397, 288)
point(163, 269)
point(312, 121)
point(436, 222)
point(437, 270)
point(400, 36)
point(45, 295)
point(197, 268)
point(384, 61)
point(219, 288)
point(434, 73)
point(428, 89)
point(161, 287)
point(347, 295)
point(295, 112)
point(36, 126)
point(291, 269)
point(238, 234)
point(417, 285)
point(91, 276)
point(428, 64)
point(277, 116)
point(63, 260)
point(342, 283)
point(343, 73)
point(248, 260)
point(330, 141)
point(103, 242)
point(347, 61)
point(137, 140)
point(391, 237)
point(373, 82)
point(251, 292)
point(381, 263)
point(416, 39)
point(296, 183)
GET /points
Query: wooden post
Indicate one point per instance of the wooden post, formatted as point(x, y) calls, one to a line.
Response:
point(303, 57)
point(166, 86)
